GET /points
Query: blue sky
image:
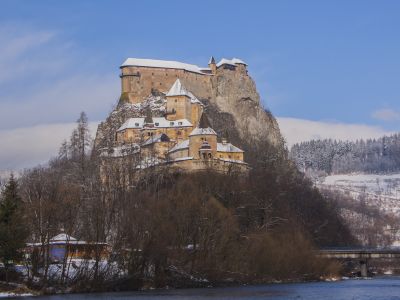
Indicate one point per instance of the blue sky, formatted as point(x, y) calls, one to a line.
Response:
point(331, 62)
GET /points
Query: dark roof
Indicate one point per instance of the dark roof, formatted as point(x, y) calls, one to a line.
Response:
point(204, 122)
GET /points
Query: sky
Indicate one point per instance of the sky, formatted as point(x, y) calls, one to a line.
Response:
point(324, 68)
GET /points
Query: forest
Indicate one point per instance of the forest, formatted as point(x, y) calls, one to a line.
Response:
point(328, 156)
point(165, 228)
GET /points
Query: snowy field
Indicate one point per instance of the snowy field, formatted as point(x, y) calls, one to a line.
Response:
point(382, 191)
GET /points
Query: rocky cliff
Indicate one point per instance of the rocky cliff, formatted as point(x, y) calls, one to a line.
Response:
point(232, 104)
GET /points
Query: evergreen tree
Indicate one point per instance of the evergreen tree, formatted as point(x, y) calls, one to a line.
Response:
point(12, 230)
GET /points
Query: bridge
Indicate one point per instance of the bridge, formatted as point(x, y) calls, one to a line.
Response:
point(361, 254)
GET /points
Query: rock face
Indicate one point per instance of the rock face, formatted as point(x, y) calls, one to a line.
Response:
point(229, 94)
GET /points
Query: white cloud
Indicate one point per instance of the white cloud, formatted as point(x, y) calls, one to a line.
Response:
point(386, 114)
point(61, 102)
point(299, 130)
point(27, 147)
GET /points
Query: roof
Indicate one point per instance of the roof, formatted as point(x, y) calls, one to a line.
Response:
point(233, 62)
point(159, 122)
point(156, 63)
point(183, 145)
point(178, 89)
point(227, 147)
point(203, 131)
point(162, 137)
point(62, 237)
point(204, 122)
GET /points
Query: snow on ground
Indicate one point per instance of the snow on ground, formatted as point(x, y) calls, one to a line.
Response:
point(382, 191)
point(10, 294)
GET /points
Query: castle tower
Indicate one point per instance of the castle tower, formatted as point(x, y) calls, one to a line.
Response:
point(178, 102)
point(212, 65)
point(203, 140)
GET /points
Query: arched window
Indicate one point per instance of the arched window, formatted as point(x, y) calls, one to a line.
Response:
point(209, 155)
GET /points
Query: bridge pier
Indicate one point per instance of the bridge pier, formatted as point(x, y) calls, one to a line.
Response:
point(364, 268)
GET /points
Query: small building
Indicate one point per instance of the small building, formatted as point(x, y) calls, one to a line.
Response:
point(64, 246)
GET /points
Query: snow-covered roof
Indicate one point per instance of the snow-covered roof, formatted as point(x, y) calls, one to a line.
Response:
point(232, 161)
point(62, 237)
point(156, 63)
point(203, 131)
point(233, 62)
point(178, 89)
point(159, 122)
point(227, 147)
point(182, 145)
point(156, 139)
point(120, 150)
point(183, 158)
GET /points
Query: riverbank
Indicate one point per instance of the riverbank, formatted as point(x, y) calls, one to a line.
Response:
point(379, 288)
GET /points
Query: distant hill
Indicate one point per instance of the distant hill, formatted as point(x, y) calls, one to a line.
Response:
point(375, 156)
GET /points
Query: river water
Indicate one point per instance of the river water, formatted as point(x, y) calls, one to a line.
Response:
point(383, 288)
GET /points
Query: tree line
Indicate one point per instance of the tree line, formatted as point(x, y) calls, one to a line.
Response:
point(329, 156)
point(167, 228)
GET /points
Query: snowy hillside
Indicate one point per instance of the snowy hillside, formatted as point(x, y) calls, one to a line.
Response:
point(381, 191)
point(370, 204)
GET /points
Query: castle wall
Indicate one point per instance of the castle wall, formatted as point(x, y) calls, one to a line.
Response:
point(192, 165)
point(195, 113)
point(230, 155)
point(138, 82)
point(179, 154)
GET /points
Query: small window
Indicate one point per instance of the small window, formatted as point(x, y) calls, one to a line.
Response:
point(180, 123)
point(171, 123)
point(137, 124)
point(179, 133)
point(176, 100)
point(160, 83)
point(157, 123)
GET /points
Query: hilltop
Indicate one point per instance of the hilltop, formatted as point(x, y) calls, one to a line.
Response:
point(228, 92)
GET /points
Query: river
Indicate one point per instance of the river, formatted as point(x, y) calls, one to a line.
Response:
point(383, 288)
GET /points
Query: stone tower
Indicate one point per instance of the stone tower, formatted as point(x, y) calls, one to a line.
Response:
point(212, 65)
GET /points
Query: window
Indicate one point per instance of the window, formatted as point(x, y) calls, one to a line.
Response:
point(209, 155)
point(157, 123)
point(179, 133)
point(180, 123)
point(176, 100)
point(204, 155)
point(171, 123)
point(137, 124)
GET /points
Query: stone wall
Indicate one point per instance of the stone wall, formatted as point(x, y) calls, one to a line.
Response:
point(138, 82)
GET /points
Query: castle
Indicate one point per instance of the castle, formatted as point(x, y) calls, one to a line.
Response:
point(182, 137)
